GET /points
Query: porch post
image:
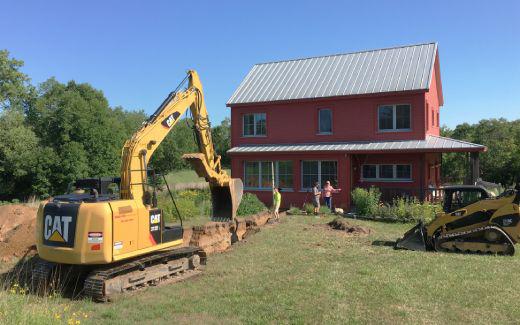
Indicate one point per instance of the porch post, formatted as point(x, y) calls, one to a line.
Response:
point(475, 167)
point(422, 177)
point(469, 169)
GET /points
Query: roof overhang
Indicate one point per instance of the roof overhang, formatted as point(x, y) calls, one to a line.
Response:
point(430, 144)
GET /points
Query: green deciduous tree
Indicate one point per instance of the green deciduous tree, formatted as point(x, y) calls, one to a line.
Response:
point(15, 90)
point(222, 140)
point(500, 164)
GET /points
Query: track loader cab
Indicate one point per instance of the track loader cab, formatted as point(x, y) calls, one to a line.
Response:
point(457, 197)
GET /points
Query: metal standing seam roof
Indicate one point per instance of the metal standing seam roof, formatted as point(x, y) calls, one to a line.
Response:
point(377, 71)
point(431, 143)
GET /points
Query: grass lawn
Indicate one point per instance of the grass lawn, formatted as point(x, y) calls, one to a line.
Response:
point(186, 176)
point(297, 272)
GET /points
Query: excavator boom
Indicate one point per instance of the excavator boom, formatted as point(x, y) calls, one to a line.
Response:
point(226, 192)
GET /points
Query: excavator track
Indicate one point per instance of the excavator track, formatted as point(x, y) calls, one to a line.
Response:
point(475, 241)
point(172, 266)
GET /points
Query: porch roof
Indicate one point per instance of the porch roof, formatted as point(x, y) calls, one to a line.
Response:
point(430, 144)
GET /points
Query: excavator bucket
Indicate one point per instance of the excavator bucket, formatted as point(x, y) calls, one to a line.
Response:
point(226, 199)
point(414, 239)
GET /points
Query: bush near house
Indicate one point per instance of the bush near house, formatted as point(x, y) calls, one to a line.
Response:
point(367, 203)
point(250, 204)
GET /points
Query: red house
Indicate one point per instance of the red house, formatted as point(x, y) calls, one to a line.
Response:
point(356, 119)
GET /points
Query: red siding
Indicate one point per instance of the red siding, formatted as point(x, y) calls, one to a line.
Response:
point(354, 119)
point(433, 98)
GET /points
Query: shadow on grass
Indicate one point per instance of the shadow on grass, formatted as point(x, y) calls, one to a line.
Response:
point(65, 282)
point(387, 243)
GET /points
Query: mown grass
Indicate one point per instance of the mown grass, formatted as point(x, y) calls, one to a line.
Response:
point(301, 272)
point(186, 176)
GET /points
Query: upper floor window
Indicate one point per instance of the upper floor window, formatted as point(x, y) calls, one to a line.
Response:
point(385, 172)
point(394, 117)
point(438, 123)
point(254, 125)
point(325, 121)
point(433, 117)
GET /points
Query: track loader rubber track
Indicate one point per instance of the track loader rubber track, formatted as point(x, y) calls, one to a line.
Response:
point(172, 266)
point(474, 241)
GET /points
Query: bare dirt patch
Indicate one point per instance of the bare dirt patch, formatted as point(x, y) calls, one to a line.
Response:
point(17, 227)
point(340, 224)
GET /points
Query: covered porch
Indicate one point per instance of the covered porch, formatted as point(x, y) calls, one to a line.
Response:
point(405, 168)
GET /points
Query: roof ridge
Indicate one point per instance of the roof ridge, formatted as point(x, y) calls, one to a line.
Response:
point(346, 53)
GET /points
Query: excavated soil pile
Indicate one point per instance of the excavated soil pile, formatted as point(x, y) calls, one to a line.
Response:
point(17, 227)
point(214, 237)
point(342, 225)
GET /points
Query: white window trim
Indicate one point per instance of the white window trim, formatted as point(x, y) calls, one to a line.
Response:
point(319, 121)
point(307, 189)
point(394, 179)
point(254, 135)
point(276, 176)
point(394, 119)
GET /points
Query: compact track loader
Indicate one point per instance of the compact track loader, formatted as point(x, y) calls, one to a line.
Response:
point(473, 221)
point(109, 235)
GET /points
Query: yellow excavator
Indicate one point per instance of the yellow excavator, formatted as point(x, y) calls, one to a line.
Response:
point(118, 240)
point(474, 221)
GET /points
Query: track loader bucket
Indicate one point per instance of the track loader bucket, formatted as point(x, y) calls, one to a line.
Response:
point(224, 199)
point(414, 239)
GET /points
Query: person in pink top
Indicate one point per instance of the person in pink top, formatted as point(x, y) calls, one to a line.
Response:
point(327, 192)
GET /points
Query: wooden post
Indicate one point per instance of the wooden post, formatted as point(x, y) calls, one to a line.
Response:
point(475, 167)
point(272, 178)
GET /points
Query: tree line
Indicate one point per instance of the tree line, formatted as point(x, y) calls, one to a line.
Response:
point(500, 164)
point(54, 133)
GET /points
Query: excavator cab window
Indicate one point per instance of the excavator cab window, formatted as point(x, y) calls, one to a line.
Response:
point(152, 184)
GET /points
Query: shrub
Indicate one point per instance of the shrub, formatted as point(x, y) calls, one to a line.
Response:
point(409, 210)
point(308, 208)
point(191, 203)
point(250, 204)
point(325, 209)
point(366, 202)
point(294, 210)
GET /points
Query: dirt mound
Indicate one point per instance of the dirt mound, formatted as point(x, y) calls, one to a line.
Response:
point(17, 227)
point(343, 225)
point(13, 215)
point(214, 237)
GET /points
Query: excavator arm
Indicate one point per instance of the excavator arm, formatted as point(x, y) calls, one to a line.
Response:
point(226, 192)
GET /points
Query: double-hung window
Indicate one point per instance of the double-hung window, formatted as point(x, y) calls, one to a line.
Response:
point(386, 172)
point(254, 125)
point(319, 171)
point(324, 121)
point(258, 174)
point(394, 117)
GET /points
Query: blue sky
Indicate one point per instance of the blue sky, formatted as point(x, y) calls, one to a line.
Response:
point(137, 51)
